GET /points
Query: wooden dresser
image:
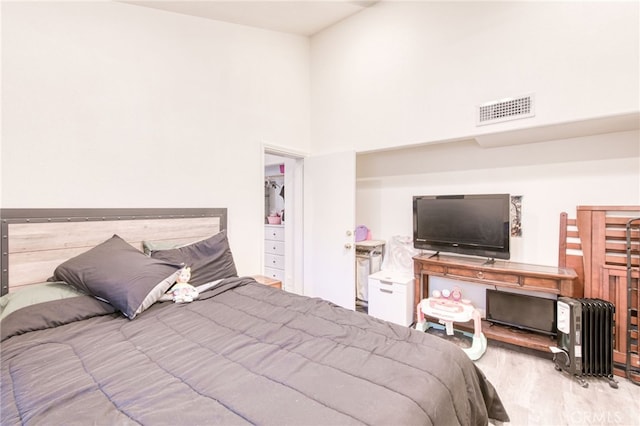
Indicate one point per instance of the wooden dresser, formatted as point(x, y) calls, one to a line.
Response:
point(503, 274)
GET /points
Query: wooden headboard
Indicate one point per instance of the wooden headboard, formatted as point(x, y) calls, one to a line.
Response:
point(35, 241)
point(596, 238)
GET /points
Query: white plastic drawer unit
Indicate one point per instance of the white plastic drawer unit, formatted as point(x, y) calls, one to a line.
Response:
point(274, 233)
point(274, 247)
point(391, 297)
point(276, 274)
point(273, 261)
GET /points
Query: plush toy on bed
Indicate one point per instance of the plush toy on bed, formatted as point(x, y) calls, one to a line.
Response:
point(182, 291)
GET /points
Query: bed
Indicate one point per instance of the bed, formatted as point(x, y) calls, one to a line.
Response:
point(93, 348)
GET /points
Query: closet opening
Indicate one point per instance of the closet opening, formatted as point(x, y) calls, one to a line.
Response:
point(282, 218)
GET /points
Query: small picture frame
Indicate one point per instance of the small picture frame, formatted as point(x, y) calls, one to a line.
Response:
point(516, 215)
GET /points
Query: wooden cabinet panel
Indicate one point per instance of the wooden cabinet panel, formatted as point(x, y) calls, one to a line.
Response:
point(488, 277)
point(549, 285)
point(525, 276)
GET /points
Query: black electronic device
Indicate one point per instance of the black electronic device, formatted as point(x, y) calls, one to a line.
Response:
point(585, 339)
point(474, 224)
point(523, 311)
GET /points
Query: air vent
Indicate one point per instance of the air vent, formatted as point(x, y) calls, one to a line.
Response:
point(506, 109)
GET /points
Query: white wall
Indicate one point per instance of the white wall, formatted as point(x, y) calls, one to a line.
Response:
point(402, 73)
point(114, 105)
point(551, 176)
point(107, 104)
point(399, 83)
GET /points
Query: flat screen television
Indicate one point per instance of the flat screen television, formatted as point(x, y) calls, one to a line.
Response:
point(532, 313)
point(476, 225)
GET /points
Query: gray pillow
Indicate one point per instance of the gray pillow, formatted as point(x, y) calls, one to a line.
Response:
point(209, 259)
point(118, 273)
point(149, 247)
point(34, 294)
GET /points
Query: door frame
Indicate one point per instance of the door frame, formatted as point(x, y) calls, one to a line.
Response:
point(294, 215)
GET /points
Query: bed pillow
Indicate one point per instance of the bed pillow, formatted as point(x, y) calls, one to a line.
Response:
point(118, 273)
point(209, 259)
point(34, 294)
point(149, 247)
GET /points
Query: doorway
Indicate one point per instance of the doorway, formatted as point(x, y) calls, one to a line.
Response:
point(283, 219)
point(319, 200)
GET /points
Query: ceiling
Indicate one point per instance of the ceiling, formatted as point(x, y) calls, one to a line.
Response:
point(302, 17)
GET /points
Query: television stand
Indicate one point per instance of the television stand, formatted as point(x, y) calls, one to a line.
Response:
point(500, 274)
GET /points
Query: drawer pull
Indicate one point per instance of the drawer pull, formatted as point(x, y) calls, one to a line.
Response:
point(480, 275)
point(386, 291)
point(386, 282)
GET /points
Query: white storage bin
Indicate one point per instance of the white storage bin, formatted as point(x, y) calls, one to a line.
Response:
point(274, 247)
point(276, 274)
point(274, 233)
point(391, 297)
point(273, 261)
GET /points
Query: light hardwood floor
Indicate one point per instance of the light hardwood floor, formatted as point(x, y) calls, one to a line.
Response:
point(534, 393)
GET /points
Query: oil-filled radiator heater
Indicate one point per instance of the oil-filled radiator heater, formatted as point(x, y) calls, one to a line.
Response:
point(585, 339)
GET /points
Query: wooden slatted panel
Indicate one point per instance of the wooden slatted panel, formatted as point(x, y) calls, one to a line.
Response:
point(27, 237)
point(633, 335)
point(570, 251)
point(621, 246)
point(620, 234)
point(603, 238)
point(616, 241)
point(617, 260)
point(36, 249)
point(574, 246)
point(614, 289)
point(602, 231)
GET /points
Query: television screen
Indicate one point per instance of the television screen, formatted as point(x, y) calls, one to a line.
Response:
point(522, 311)
point(466, 224)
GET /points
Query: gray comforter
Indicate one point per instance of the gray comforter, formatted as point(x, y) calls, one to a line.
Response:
point(243, 354)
